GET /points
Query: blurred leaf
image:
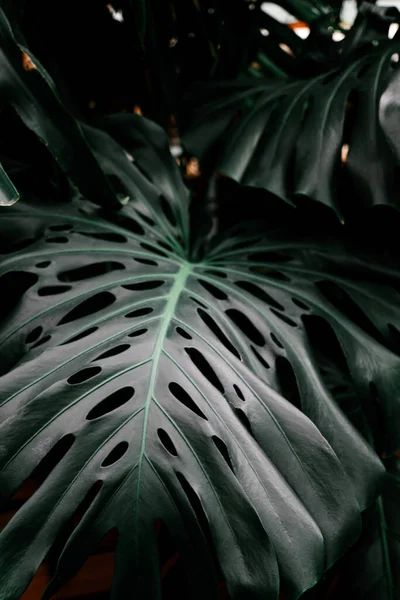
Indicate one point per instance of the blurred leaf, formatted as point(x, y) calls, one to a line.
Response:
point(290, 140)
point(28, 88)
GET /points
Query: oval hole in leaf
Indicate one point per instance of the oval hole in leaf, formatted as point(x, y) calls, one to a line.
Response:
point(259, 293)
point(145, 218)
point(276, 341)
point(34, 335)
point(166, 441)
point(126, 222)
point(52, 290)
point(43, 264)
point(239, 392)
point(271, 273)
point(246, 326)
point(140, 312)
point(198, 302)
point(146, 261)
point(260, 358)
point(54, 456)
point(213, 290)
point(153, 250)
point(165, 245)
point(88, 307)
point(183, 397)
point(80, 335)
point(183, 333)
point(137, 332)
point(111, 403)
point(287, 381)
point(113, 352)
point(83, 375)
point(243, 418)
point(223, 451)
point(144, 285)
point(300, 304)
point(89, 271)
point(220, 274)
point(284, 318)
point(115, 454)
point(217, 331)
point(199, 360)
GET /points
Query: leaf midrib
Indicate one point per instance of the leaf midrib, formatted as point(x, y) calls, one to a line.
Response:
point(174, 296)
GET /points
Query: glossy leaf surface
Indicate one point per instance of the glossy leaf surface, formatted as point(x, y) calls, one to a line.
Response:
point(162, 379)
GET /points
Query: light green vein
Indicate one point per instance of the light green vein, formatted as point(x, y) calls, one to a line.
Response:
point(169, 313)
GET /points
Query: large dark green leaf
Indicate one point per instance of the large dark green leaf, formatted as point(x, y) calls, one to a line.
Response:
point(287, 137)
point(157, 386)
point(160, 378)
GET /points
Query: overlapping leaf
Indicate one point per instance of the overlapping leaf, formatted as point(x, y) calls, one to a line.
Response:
point(26, 85)
point(318, 137)
point(372, 568)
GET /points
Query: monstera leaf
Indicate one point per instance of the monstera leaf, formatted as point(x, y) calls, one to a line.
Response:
point(328, 137)
point(157, 382)
point(156, 377)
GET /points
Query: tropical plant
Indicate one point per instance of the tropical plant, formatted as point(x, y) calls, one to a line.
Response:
point(196, 354)
point(306, 136)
